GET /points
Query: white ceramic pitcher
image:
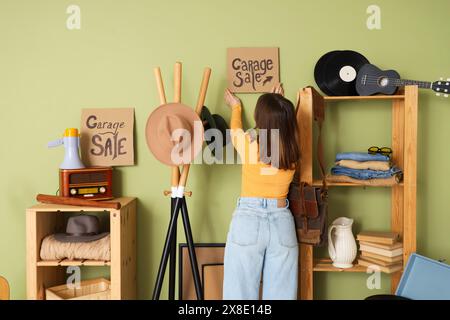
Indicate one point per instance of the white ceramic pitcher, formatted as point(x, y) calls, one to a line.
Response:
point(341, 243)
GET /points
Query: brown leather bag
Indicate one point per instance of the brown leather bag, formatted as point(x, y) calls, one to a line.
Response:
point(309, 204)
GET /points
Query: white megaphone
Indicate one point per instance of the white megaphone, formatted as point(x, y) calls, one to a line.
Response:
point(71, 141)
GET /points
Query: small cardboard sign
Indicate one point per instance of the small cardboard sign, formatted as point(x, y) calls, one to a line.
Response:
point(252, 69)
point(107, 137)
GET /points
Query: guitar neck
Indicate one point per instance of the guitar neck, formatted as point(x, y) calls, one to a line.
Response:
point(403, 82)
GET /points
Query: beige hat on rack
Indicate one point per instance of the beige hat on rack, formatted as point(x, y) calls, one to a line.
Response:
point(174, 134)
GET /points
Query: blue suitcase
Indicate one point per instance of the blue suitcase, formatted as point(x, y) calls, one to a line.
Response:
point(424, 279)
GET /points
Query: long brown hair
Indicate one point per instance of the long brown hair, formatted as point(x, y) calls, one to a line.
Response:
point(273, 111)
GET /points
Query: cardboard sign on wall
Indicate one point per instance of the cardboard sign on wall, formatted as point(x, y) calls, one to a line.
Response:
point(107, 137)
point(252, 70)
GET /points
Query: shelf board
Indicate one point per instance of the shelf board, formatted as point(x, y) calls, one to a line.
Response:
point(67, 263)
point(363, 98)
point(318, 183)
point(325, 265)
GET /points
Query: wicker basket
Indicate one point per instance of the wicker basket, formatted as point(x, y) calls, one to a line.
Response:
point(96, 289)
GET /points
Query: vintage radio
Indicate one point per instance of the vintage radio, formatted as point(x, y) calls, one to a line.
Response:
point(93, 183)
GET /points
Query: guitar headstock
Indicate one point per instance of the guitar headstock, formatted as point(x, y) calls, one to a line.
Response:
point(442, 87)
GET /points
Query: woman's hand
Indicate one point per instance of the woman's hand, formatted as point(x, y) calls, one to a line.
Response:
point(230, 99)
point(278, 89)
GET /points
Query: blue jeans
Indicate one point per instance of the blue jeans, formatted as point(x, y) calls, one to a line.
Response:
point(361, 156)
point(262, 238)
point(365, 174)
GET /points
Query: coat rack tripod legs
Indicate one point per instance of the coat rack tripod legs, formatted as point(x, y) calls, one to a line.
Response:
point(173, 256)
point(178, 200)
point(168, 251)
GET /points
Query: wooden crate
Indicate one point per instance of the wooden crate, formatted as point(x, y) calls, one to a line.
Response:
point(96, 289)
point(45, 219)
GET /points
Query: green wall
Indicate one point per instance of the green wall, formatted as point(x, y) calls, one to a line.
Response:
point(48, 74)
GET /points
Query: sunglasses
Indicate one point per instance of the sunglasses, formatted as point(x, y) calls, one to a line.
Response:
point(383, 150)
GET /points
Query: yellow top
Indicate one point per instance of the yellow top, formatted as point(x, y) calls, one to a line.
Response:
point(71, 132)
point(259, 180)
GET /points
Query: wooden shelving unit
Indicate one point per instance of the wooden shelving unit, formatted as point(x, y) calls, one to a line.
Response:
point(403, 207)
point(45, 219)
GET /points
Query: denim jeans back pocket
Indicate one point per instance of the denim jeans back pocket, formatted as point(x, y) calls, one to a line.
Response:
point(244, 229)
point(286, 231)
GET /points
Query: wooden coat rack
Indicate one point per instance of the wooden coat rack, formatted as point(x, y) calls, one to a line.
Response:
point(178, 196)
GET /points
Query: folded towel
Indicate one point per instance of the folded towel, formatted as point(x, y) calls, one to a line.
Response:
point(364, 174)
point(361, 156)
point(52, 249)
point(370, 182)
point(365, 165)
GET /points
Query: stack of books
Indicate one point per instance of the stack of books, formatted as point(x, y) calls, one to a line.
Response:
point(381, 249)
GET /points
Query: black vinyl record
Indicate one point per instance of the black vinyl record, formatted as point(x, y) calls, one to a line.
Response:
point(319, 72)
point(337, 72)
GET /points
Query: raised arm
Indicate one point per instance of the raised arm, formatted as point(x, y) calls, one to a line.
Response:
point(238, 137)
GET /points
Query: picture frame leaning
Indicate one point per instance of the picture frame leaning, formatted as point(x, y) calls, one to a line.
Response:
point(207, 254)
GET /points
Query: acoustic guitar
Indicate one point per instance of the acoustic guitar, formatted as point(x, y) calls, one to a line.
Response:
point(372, 80)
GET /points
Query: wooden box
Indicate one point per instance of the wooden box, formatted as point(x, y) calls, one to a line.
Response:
point(96, 289)
point(45, 219)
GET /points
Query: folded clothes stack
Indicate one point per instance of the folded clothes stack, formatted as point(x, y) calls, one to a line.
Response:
point(365, 168)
